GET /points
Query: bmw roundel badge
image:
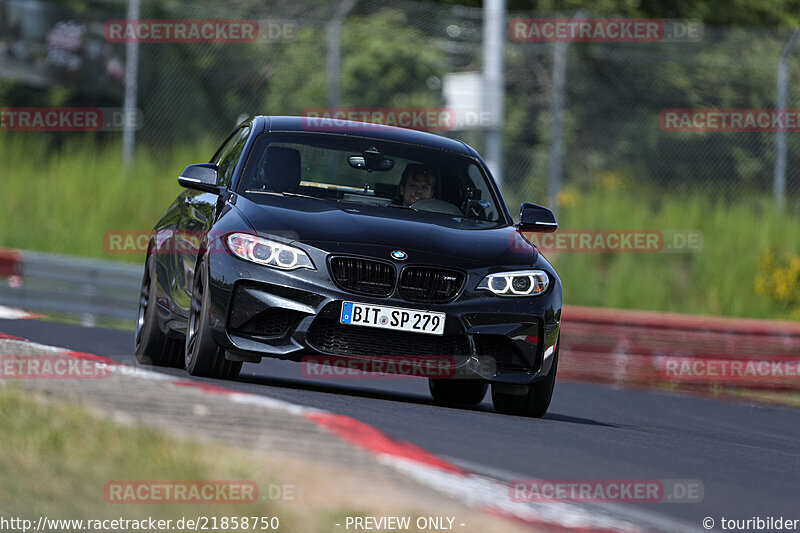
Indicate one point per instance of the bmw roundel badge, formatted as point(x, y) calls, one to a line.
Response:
point(399, 255)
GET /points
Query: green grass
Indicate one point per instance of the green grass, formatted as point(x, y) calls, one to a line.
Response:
point(66, 200)
point(718, 280)
point(57, 459)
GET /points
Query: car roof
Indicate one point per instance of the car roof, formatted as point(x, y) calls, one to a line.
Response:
point(363, 129)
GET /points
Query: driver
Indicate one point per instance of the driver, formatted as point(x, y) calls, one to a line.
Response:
point(417, 183)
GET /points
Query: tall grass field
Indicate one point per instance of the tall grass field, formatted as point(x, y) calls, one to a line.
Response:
point(67, 199)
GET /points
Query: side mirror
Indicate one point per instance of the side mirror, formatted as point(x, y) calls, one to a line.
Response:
point(202, 177)
point(534, 217)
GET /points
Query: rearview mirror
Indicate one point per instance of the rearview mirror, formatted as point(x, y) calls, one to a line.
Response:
point(381, 164)
point(534, 217)
point(202, 177)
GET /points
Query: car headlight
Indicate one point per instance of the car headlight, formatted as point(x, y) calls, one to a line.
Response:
point(267, 252)
point(517, 283)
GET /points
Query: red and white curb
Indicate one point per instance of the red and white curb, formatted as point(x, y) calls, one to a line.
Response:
point(486, 493)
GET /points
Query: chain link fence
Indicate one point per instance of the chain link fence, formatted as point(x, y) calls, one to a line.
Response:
point(614, 97)
point(608, 97)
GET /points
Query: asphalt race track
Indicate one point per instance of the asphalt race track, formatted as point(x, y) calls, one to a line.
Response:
point(747, 457)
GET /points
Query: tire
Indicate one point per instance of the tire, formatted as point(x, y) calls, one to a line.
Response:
point(457, 391)
point(533, 404)
point(153, 347)
point(203, 355)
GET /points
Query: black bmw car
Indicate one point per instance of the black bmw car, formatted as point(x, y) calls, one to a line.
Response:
point(359, 242)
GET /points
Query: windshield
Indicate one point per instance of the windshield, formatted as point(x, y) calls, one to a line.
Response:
point(339, 168)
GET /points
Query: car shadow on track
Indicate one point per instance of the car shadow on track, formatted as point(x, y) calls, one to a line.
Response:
point(409, 398)
point(348, 390)
point(577, 420)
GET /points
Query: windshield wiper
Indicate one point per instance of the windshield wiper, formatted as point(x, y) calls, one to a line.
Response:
point(293, 194)
point(300, 195)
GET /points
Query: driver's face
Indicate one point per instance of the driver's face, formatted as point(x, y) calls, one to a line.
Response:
point(417, 188)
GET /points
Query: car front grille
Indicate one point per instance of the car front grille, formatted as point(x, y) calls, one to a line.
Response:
point(327, 335)
point(430, 284)
point(363, 276)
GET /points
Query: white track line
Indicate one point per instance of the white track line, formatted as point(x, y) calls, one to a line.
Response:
point(12, 313)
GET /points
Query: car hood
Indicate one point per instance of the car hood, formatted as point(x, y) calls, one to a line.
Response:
point(348, 228)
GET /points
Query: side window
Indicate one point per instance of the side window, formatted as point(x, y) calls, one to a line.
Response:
point(480, 205)
point(224, 146)
point(228, 156)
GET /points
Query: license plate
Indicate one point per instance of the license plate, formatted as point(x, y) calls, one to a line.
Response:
point(396, 318)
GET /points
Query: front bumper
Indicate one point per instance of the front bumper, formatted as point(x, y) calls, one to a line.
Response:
point(260, 312)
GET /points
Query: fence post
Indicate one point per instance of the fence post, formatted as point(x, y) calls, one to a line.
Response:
point(334, 51)
point(556, 123)
point(131, 85)
point(779, 178)
point(494, 28)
